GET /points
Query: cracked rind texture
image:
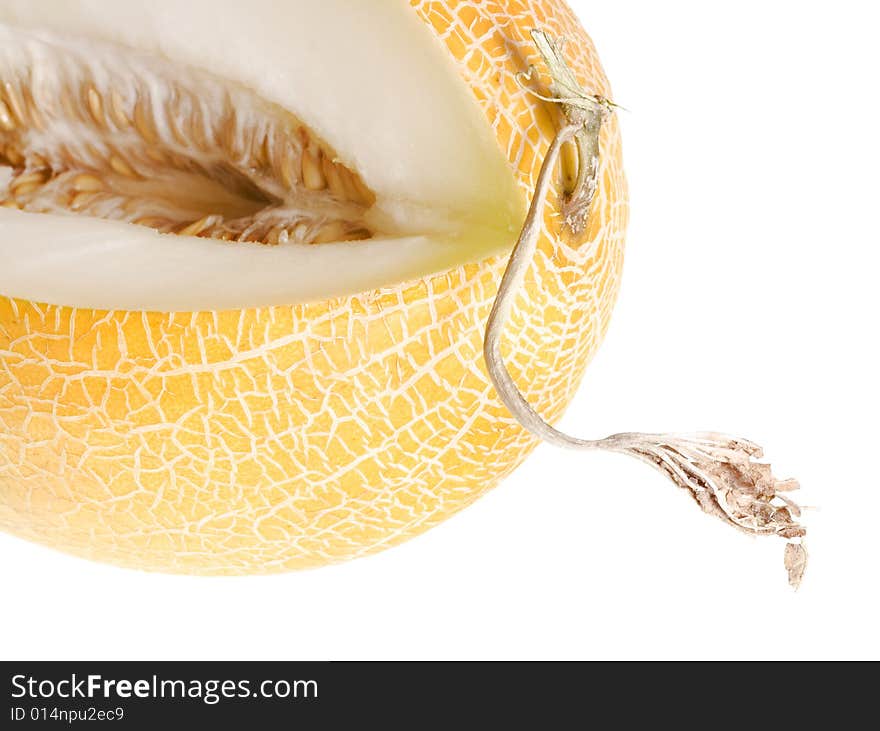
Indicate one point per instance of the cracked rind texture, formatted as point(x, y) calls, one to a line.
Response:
point(290, 437)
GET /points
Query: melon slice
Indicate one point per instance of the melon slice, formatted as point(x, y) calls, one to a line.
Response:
point(331, 123)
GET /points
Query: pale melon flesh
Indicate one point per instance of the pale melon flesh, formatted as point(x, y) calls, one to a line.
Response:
point(136, 143)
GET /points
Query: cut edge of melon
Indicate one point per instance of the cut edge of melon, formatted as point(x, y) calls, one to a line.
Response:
point(406, 122)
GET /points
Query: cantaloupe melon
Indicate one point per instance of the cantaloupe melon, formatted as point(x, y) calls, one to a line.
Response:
point(248, 252)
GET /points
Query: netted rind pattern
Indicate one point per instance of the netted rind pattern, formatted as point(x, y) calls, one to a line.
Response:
point(287, 437)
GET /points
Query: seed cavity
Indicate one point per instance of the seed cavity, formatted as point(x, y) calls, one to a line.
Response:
point(93, 129)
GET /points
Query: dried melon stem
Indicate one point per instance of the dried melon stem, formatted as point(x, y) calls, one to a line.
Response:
point(721, 473)
point(101, 131)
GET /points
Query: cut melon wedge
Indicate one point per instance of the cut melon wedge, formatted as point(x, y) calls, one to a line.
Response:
point(371, 81)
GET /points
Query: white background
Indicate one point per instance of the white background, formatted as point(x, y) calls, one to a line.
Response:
point(749, 305)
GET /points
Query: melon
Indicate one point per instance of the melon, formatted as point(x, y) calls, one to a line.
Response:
point(248, 254)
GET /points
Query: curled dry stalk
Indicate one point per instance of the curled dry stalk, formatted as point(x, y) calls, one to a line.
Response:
point(721, 473)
